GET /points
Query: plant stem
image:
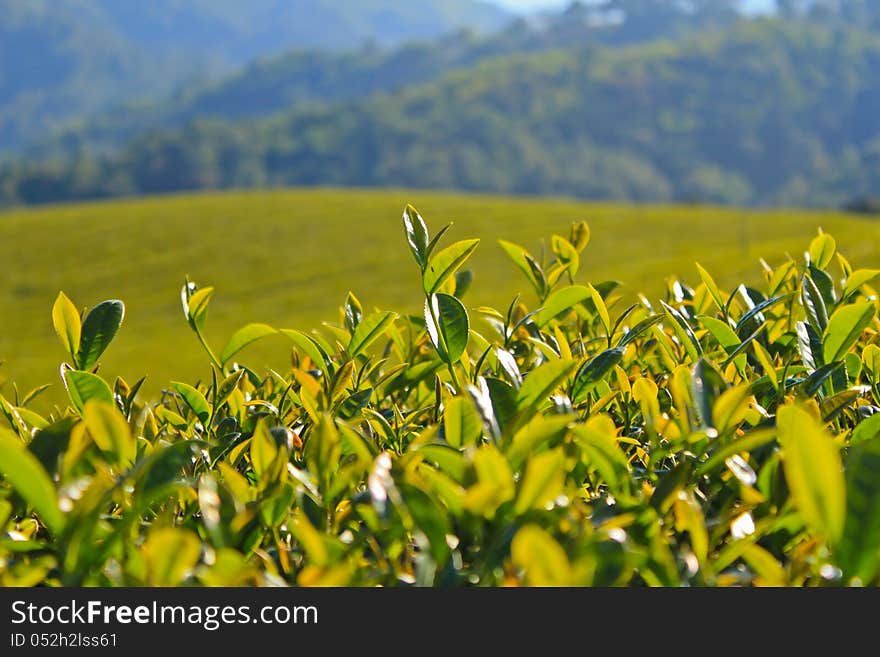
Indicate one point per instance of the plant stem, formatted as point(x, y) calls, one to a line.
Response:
point(214, 358)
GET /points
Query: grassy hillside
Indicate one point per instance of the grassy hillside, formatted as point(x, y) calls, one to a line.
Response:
point(288, 258)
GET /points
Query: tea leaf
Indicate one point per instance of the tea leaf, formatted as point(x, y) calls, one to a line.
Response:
point(844, 329)
point(814, 472)
point(243, 337)
point(25, 474)
point(65, 318)
point(559, 302)
point(83, 387)
point(98, 330)
point(368, 331)
point(445, 263)
point(450, 337)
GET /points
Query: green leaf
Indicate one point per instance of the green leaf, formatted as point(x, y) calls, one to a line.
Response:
point(83, 387)
point(559, 302)
point(170, 554)
point(857, 279)
point(23, 472)
point(535, 435)
point(707, 385)
point(109, 430)
point(579, 235)
point(369, 330)
point(822, 250)
point(859, 551)
point(814, 304)
point(825, 285)
point(631, 335)
point(445, 263)
point(599, 302)
point(307, 345)
point(451, 462)
point(817, 378)
point(711, 286)
point(871, 360)
point(461, 423)
point(194, 399)
point(844, 329)
point(98, 330)
point(519, 256)
point(195, 306)
point(432, 245)
point(566, 254)
point(866, 430)
point(597, 439)
point(243, 337)
point(814, 472)
point(431, 518)
point(354, 312)
point(416, 235)
point(263, 450)
point(451, 336)
point(227, 386)
point(65, 318)
point(542, 382)
point(542, 559)
point(543, 481)
point(758, 309)
point(538, 275)
point(833, 406)
point(594, 371)
point(494, 484)
point(809, 346)
point(685, 332)
point(725, 337)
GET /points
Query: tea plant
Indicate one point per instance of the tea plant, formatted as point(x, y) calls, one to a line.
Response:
point(719, 438)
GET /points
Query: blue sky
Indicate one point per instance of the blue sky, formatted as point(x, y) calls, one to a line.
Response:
point(529, 5)
point(533, 5)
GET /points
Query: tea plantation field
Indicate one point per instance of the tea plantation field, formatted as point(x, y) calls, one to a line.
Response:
point(288, 258)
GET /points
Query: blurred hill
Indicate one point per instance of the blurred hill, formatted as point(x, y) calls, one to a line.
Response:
point(61, 59)
point(645, 100)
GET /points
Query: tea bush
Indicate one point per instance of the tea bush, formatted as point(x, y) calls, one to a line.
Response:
point(719, 438)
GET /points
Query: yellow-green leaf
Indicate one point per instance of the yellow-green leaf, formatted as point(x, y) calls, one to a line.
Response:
point(83, 387)
point(542, 482)
point(263, 450)
point(68, 326)
point(541, 558)
point(844, 329)
point(243, 337)
point(711, 286)
point(170, 554)
point(859, 278)
point(543, 381)
point(194, 399)
point(109, 430)
point(871, 359)
point(599, 302)
point(461, 422)
point(822, 250)
point(446, 263)
point(814, 471)
point(369, 330)
point(21, 469)
point(494, 484)
point(560, 301)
